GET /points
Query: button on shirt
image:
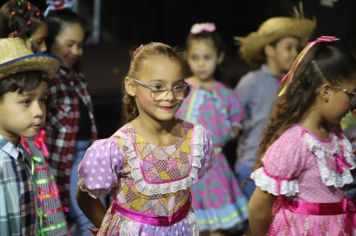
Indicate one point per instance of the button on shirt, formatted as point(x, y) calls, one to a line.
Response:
point(258, 90)
point(17, 195)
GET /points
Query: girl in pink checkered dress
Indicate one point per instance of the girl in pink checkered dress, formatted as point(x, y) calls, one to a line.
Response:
point(217, 199)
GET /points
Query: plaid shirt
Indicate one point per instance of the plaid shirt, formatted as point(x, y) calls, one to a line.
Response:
point(17, 194)
point(63, 124)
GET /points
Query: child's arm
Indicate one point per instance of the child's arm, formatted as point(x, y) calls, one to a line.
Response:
point(260, 212)
point(91, 207)
point(235, 131)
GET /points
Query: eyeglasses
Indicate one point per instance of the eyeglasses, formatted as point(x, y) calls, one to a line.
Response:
point(158, 92)
point(350, 94)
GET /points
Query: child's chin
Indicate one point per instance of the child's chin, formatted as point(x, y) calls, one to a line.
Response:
point(30, 135)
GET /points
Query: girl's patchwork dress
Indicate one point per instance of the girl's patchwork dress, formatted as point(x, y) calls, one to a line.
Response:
point(217, 199)
point(151, 183)
point(306, 174)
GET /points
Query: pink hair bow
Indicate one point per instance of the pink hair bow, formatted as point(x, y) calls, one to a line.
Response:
point(287, 79)
point(202, 27)
point(39, 142)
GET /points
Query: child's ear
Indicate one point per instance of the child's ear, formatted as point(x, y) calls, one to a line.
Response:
point(221, 57)
point(269, 50)
point(130, 87)
point(324, 92)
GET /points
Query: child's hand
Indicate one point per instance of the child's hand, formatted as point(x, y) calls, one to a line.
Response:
point(93, 229)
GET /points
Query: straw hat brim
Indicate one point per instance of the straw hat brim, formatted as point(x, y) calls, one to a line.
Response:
point(43, 62)
point(252, 44)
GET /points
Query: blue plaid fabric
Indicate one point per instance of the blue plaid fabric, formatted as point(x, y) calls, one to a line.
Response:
point(17, 195)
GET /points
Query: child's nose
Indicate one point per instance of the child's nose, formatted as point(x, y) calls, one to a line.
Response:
point(39, 110)
point(169, 95)
point(201, 62)
point(77, 51)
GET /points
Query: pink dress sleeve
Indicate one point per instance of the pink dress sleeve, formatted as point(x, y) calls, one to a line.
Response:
point(208, 154)
point(283, 163)
point(100, 169)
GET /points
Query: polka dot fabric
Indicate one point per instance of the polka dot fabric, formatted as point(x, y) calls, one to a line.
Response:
point(101, 165)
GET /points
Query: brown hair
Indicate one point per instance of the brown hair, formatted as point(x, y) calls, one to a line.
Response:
point(22, 82)
point(19, 19)
point(323, 63)
point(144, 52)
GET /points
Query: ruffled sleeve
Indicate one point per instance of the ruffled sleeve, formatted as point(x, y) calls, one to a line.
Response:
point(208, 153)
point(283, 163)
point(101, 166)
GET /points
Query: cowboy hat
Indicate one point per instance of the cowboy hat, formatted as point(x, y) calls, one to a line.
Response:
point(271, 30)
point(15, 57)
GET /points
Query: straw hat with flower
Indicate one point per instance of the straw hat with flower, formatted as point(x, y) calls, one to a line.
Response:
point(271, 30)
point(15, 57)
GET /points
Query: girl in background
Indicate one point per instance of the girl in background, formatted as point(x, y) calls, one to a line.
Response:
point(20, 18)
point(217, 199)
point(305, 158)
point(70, 122)
point(151, 162)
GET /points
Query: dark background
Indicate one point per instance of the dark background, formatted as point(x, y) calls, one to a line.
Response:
point(125, 24)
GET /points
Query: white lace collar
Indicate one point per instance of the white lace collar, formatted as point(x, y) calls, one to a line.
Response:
point(162, 188)
point(334, 165)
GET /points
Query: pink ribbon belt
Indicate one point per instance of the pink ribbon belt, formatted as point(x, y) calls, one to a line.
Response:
point(311, 208)
point(345, 206)
point(149, 219)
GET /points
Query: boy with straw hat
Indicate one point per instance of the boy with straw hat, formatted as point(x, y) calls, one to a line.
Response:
point(23, 92)
point(274, 46)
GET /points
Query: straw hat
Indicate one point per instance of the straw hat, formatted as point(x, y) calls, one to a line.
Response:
point(15, 57)
point(272, 30)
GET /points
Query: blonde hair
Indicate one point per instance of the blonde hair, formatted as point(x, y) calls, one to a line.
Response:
point(144, 52)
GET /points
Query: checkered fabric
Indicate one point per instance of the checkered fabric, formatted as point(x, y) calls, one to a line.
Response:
point(62, 125)
point(17, 194)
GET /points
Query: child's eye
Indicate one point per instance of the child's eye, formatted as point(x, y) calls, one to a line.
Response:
point(157, 87)
point(26, 102)
point(44, 100)
point(194, 57)
point(179, 87)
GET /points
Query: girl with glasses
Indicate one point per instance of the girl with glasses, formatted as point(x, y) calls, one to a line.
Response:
point(151, 162)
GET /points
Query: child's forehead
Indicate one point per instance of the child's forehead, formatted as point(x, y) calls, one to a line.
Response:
point(287, 40)
point(207, 42)
point(161, 70)
point(30, 90)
